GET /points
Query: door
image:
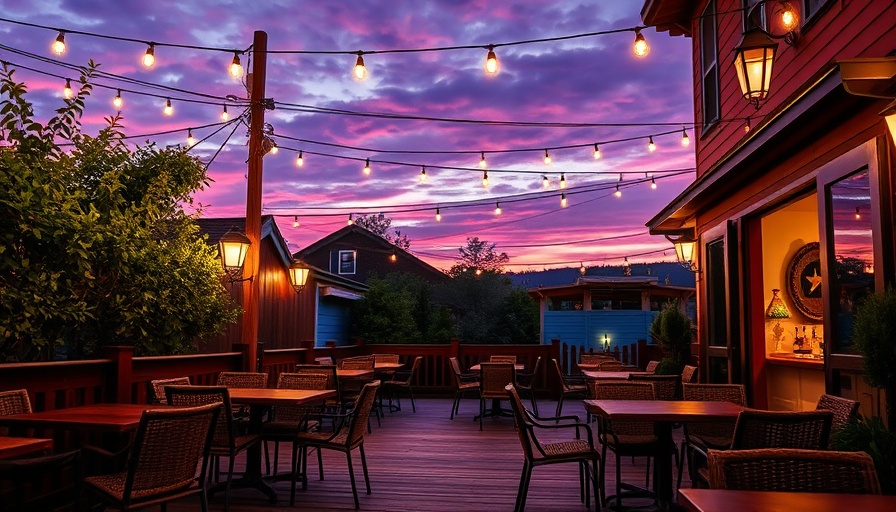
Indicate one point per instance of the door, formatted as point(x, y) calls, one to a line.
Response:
point(722, 344)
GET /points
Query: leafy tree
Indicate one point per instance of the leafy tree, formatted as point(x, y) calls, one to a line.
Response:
point(96, 248)
point(672, 330)
point(380, 225)
point(478, 257)
point(398, 309)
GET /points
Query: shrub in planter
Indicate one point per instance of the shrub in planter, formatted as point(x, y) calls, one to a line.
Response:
point(673, 332)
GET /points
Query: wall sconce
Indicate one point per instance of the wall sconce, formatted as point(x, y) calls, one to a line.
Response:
point(685, 251)
point(232, 247)
point(298, 275)
point(606, 343)
point(753, 59)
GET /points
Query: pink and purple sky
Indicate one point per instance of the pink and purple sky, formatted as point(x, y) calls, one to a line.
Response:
point(555, 94)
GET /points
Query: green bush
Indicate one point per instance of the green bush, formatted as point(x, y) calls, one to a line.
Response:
point(672, 330)
point(869, 435)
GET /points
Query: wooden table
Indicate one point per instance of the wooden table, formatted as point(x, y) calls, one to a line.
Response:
point(353, 374)
point(607, 375)
point(663, 413)
point(593, 367)
point(712, 500)
point(516, 367)
point(17, 446)
point(107, 418)
point(258, 400)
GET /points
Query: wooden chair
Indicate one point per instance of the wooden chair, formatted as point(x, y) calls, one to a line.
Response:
point(226, 442)
point(502, 359)
point(168, 447)
point(689, 374)
point(288, 420)
point(402, 380)
point(807, 430)
point(525, 381)
point(23, 473)
point(463, 383)
point(348, 436)
point(793, 470)
point(842, 408)
point(701, 436)
point(158, 388)
point(493, 377)
point(651, 366)
point(624, 438)
point(571, 386)
point(572, 449)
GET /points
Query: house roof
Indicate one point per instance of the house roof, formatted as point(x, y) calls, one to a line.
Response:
point(612, 283)
point(673, 16)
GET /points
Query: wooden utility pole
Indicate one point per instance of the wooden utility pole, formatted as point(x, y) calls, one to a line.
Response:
point(253, 198)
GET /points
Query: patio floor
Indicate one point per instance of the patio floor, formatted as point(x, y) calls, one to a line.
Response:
point(426, 462)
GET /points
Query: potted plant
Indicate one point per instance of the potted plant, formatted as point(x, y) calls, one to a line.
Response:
point(672, 330)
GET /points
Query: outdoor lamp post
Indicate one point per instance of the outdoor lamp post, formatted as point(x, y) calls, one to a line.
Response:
point(298, 275)
point(753, 59)
point(685, 250)
point(233, 247)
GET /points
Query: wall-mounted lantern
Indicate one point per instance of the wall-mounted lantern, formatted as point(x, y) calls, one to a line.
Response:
point(685, 251)
point(753, 60)
point(298, 275)
point(232, 247)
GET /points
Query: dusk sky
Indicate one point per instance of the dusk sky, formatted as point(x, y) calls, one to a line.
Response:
point(429, 109)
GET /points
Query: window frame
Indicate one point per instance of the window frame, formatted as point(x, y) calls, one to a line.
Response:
point(708, 123)
point(353, 261)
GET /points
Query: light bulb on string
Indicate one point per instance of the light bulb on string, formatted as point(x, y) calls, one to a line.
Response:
point(485, 179)
point(652, 183)
point(149, 58)
point(393, 257)
point(858, 214)
point(224, 114)
point(492, 67)
point(236, 69)
point(685, 140)
point(359, 72)
point(168, 110)
point(366, 169)
point(274, 148)
point(58, 45)
point(582, 268)
point(497, 208)
point(117, 102)
point(422, 173)
point(641, 47)
point(747, 126)
point(547, 158)
point(596, 152)
point(438, 215)
point(545, 182)
point(191, 141)
point(482, 163)
point(300, 160)
point(650, 145)
point(562, 180)
point(563, 202)
point(67, 90)
point(351, 219)
point(295, 221)
point(618, 192)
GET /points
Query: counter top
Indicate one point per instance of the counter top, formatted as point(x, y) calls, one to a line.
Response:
point(790, 359)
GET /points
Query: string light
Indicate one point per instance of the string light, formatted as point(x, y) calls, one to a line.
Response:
point(562, 180)
point(168, 110)
point(149, 58)
point(685, 140)
point(563, 200)
point(582, 268)
point(351, 219)
point(224, 115)
point(58, 45)
point(236, 69)
point(485, 179)
point(747, 126)
point(366, 169)
point(117, 102)
point(618, 192)
point(858, 214)
point(295, 221)
point(422, 173)
point(67, 90)
point(596, 152)
point(191, 141)
point(300, 160)
point(652, 183)
point(650, 145)
point(641, 47)
point(438, 215)
point(547, 158)
point(359, 72)
point(492, 67)
point(545, 182)
point(393, 257)
point(789, 18)
point(497, 208)
point(274, 148)
point(482, 163)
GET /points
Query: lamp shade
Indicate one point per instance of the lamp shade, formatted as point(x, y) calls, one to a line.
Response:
point(685, 250)
point(753, 59)
point(776, 307)
point(233, 247)
point(298, 275)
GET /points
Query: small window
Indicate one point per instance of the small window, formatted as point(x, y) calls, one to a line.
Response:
point(347, 262)
point(709, 65)
point(811, 8)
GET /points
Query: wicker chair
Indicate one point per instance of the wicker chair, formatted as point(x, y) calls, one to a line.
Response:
point(31, 471)
point(807, 430)
point(537, 453)
point(502, 359)
point(843, 408)
point(347, 437)
point(15, 401)
point(699, 437)
point(333, 404)
point(624, 438)
point(526, 382)
point(651, 366)
point(226, 443)
point(351, 388)
point(386, 358)
point(168, 447)
point(571, 386)
point(689, 374)
point(493, 377)
point(613, 366)
point(324, 360)
point(158, 388)
point(595, 358)
point(243, 379)
point(402, 380)
point(464, 383)
point(666, 386)
point(793, 470)
point(288, 420)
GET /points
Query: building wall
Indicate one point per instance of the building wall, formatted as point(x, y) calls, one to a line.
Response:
point(587, 328)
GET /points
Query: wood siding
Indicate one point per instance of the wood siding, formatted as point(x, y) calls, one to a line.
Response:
point(587, 328)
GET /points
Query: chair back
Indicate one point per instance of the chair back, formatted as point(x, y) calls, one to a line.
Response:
point(15, 401)
point(324, 360)
point(651, 366)
point(295, 414)
point(623, 390)
point(168, 447)
point(329, 370)
point(843, 409)
point(357, 425)
point(688, 374)
point(793, 470)
point(719, 432)
point(502, 359)
point(494, 377)
point(808, 430)
point(357, 363)
point(158, 388)
point(22, 472)
point(386, 358)
point(612, 366)
point(564, 385)
point(527, 381)
point(666, 386)
point(192, 396)
point(595, 358)
point(523, 425)
point(408, 377)
point(243, 379)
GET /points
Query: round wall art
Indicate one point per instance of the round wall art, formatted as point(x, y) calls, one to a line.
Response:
point(804, 281)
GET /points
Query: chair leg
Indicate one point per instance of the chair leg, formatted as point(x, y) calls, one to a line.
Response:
point(481, 411)
point(413, 405)
point(229, 479)
point(304, 460)
point(524, 487)
point(603, 475)
point(295, 473)
point(267, 457)
point(320, 464)
point(364, 466)
point(351, 475)
point(595, 478)
point(559, 405)
point(534, 403)
point(456, 404)
point(618, 481)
